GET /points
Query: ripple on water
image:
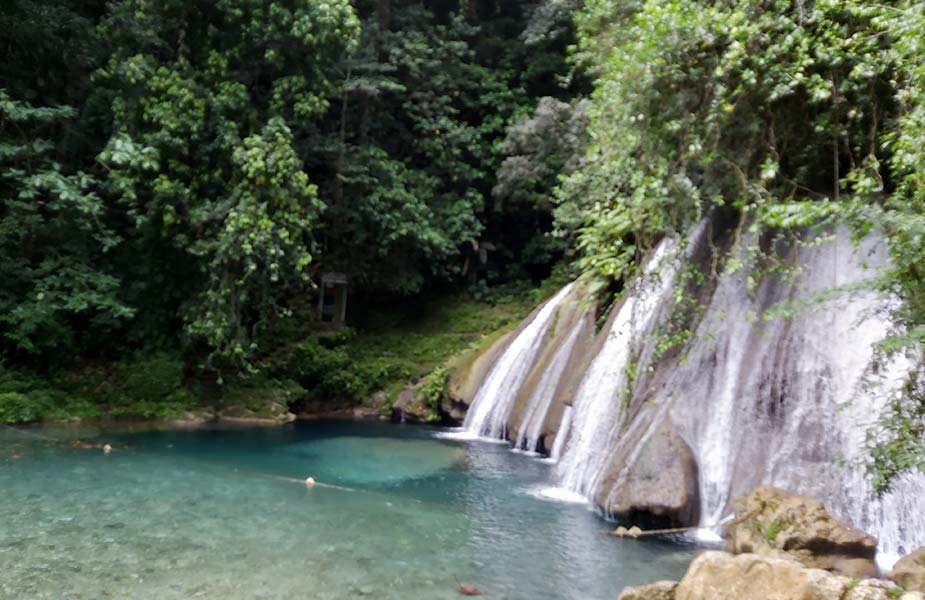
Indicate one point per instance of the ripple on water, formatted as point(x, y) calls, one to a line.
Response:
point(201, 521)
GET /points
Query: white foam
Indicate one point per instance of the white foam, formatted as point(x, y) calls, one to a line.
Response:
point(557, 494)
point(461, 434)
point(886, 560)
point(706, 535)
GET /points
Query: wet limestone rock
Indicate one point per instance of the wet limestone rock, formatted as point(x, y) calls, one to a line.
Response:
point(723, 576)
point(661, 487)
point(909, 572)
point(660, 590)
point(410, 407)
point(773, 522)
point(469, 370)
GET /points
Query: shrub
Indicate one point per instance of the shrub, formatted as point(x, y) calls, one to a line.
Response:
point(19, 408)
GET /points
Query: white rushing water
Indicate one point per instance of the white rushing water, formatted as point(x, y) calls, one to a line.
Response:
point(488, 415)
point(592, 428)
point(528, 437)
point(789, 401)
point(760, 399)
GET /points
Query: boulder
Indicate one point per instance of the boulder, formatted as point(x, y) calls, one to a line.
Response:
point(871, 589)
point(660, 590)
point(773, 522)
point(723, 576)
point(909, 572)
point(661, 487)
point(410, 407)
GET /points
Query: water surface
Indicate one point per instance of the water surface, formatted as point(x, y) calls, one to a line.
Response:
point(221, 514)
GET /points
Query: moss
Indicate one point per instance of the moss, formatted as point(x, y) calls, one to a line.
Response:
point(773, 530)
point(895, 593)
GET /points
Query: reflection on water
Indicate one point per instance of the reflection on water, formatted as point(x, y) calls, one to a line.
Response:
point(216, 514)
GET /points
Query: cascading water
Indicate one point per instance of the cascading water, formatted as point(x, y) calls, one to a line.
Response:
point(488, 415)
point(592, 427)
point(787, 401)
point(528, 438)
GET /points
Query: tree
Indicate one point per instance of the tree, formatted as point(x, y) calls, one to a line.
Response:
point(207, 100)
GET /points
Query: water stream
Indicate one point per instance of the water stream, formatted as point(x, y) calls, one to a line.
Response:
point(488, 415)
point(593, 426)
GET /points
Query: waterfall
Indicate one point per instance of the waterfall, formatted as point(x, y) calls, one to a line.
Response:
point(592, 428)
point(488, 415)
point(788, 401)
point(528, 437)
point(779, 384)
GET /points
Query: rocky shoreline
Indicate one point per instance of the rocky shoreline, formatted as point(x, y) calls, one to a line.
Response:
point(782, 546)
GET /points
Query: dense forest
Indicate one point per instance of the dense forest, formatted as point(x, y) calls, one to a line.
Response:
point(176, 176)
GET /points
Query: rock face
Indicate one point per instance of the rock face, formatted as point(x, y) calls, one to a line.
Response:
point(772, 522)
point(410, 407)
point(660, 590)
point(722, 576)
point(909, 572)
point(470, 368)
point(661, 487)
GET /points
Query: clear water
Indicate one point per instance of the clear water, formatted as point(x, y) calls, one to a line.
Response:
point(223, 514)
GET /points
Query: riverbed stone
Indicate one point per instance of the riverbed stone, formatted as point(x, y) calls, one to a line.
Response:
point(661, 487)
point(909, 572)
point(660, 590)
point(773, 522)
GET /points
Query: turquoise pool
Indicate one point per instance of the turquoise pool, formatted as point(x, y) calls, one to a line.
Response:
point(221, 514)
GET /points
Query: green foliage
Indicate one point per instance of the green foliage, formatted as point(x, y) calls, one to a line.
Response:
point(786, 117)
point(18, 408)
point(764, 107)
point(393, 346)
point(434, 389)
point(898, 445)
point(326, 369)
point(51, 241)
point(202, 157)
point(146, 386)
point(26, 398)
point(260, 397)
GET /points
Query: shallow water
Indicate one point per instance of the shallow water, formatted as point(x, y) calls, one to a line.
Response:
point(218, 514)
